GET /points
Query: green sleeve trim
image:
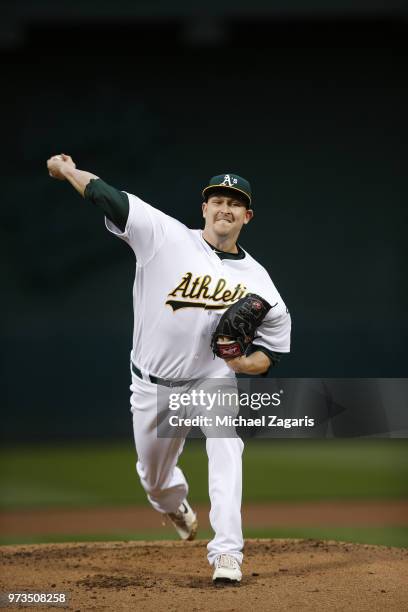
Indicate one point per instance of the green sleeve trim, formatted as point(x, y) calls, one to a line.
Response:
point(114, 203)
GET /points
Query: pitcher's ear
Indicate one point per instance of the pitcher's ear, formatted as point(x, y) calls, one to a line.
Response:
point(248, 215)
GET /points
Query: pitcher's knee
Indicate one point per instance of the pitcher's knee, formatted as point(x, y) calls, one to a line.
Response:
point(154, 491)
point(152, 482)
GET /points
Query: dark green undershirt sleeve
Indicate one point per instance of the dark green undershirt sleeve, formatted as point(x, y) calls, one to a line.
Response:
point(114, 203)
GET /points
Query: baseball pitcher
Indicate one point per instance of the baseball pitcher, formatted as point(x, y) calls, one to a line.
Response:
point(203, 309)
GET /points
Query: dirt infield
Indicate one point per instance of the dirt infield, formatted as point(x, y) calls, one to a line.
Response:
point(175, 576)
point(97, 520)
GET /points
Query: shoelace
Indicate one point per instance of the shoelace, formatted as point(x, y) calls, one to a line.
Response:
point(180, 516)
point(227, 561)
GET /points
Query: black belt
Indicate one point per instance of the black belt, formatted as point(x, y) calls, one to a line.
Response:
point(166, 382)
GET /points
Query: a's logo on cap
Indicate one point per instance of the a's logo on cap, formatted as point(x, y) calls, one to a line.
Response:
point(228, 182)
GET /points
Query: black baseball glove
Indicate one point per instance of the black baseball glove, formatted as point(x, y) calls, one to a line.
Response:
point(237, 327)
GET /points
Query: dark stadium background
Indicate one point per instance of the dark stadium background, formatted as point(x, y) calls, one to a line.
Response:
point(307, 101)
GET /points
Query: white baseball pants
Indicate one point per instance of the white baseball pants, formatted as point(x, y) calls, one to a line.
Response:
point(165, 484)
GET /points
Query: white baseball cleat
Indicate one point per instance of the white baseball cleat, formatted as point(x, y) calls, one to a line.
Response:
point(227, 570)
point(185, 521)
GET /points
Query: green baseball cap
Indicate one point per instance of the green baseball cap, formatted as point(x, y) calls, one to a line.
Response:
point(231, 182)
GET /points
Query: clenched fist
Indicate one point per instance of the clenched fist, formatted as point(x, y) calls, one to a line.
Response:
point(58, 164)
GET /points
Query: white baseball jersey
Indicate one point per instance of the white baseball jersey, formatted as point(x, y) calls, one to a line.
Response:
point(181, 289)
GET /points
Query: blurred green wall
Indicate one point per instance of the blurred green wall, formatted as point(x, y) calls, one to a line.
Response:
point(312, 113)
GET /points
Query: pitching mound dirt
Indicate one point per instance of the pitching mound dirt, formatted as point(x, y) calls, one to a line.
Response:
point(175, 576)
